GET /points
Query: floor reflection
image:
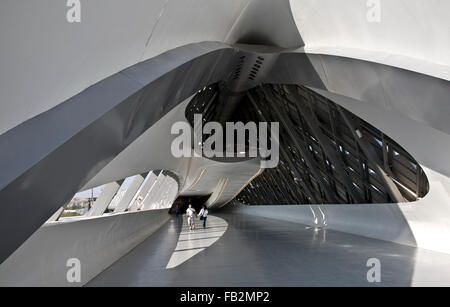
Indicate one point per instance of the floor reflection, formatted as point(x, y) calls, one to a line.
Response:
point(255, 251)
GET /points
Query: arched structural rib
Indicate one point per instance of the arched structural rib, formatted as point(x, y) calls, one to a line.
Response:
point(104, 119)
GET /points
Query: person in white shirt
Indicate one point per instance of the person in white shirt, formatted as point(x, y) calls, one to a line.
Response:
point(190, 213)
point(203, 215)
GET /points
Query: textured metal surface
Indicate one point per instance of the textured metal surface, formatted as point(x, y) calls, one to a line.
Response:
point(328, 155)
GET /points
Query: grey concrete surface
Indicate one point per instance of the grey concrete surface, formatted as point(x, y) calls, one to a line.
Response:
point(257, 251)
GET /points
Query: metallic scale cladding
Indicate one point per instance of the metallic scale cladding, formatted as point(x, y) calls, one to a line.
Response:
point(328, 155)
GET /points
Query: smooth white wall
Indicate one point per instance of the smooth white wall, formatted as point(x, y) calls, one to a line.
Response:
point(96, 242)
point(413, 34)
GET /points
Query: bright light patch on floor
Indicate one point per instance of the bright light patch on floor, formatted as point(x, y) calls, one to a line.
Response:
point(190, 243)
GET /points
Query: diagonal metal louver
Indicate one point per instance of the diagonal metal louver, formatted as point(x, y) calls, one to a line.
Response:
point(327, 154)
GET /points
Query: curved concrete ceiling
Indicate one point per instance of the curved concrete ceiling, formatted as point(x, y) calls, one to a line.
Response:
point(264, 23)
point(51, 60)
point(411, 34)
point(45, 60)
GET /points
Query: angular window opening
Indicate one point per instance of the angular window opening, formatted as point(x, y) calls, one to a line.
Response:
point(349, 161)
point(149, 191)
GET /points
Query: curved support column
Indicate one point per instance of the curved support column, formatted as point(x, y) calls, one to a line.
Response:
point(150, 182)
point(130, 193)
point(158, 198)
point(105, 198)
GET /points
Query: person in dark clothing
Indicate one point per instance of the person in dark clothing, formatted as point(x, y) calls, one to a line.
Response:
point(203, 215)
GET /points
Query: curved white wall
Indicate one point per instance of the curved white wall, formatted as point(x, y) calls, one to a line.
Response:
point(96, 242)
point(429, 217)
point(424, 223)
point(412, 34)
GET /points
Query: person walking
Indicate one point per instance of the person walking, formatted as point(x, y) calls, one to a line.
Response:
point(177, 210)
point(190, 213)
point(203, 215)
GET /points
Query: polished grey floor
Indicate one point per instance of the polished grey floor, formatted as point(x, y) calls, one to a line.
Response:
point(256, 251)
